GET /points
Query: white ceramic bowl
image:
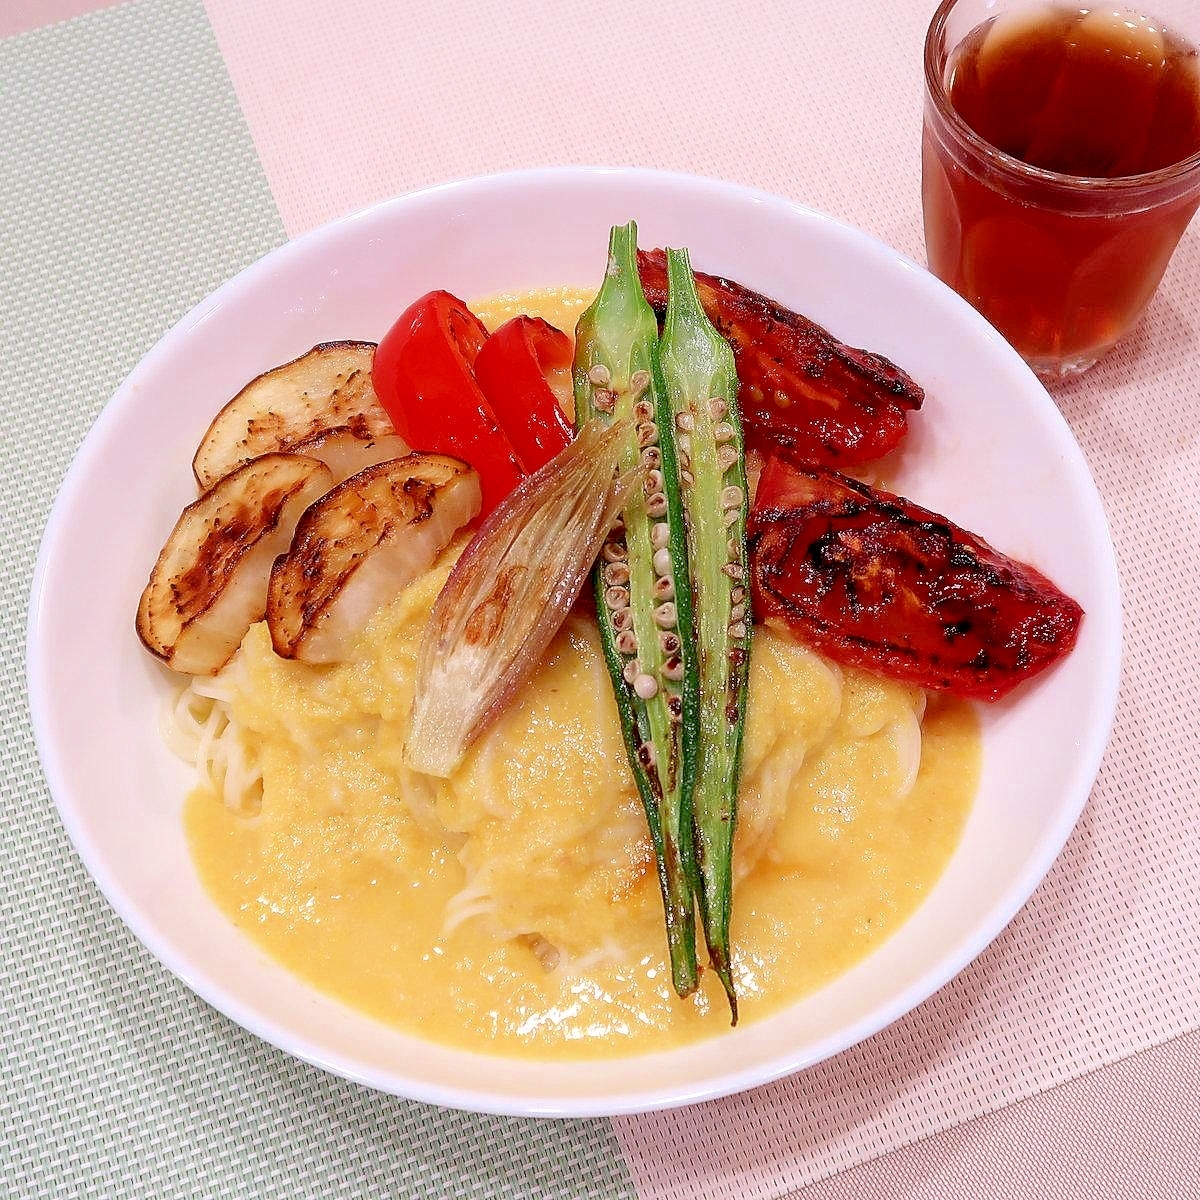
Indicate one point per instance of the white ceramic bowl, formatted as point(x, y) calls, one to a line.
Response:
point(989, 449)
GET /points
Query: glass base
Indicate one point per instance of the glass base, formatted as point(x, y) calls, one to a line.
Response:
point(1056, 370)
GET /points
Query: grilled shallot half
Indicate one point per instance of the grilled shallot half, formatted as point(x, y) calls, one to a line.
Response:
point(210, 582)
point(511, 591)
point(358, 545)
point(325, 389)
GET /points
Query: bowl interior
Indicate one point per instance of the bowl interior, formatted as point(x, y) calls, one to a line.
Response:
point(989, 449)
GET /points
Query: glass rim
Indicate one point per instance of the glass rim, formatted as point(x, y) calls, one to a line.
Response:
point(935, 90)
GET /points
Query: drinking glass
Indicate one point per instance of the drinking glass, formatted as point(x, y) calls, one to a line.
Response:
point(1062, 265)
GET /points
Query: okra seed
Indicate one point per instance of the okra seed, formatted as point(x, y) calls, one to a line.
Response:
point(662, 561)
point(673, 668)
point(622, 619)
point(616, 574)
point(600, 375)
point(664, 588)
point(722, 433)
point(616, 597)
point(733, 550)
point(683, 444)
point(731, 497)
point(675, 708)
point(737, 656)
point(737, 595)
point(632, 670)
point(737, 612)
point(731, 517)
point(604, 400)
point(614, 552)
point(717, 408)
point(639, 381)
point(626, 642)
point(734, 571)
point(647, 434)
point(665, 616)
point(652, 457)
point(685, 422)
point(646, 754)
point(656, 505)
point(727, 457)
point(660, 535)
point(646, 686)
point(737, 629)
point(643, 410)
point(653, 482)
point(669, 642)
point(687, 478)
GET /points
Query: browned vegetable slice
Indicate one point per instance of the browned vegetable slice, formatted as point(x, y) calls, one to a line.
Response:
point(326, 388)
point(345, 451)
point(873, 580)
point(359, 544)
point(209, 584)
point(799, 388)
point(511, 591)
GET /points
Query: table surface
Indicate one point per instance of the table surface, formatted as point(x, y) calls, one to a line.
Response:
point(154, 148)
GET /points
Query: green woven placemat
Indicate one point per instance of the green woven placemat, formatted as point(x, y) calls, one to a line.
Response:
point(129, 188)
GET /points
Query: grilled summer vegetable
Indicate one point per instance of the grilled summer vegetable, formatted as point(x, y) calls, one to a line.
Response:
point(345, 452)
point(643, 592)
point(360, 544)
point(874, 581)
point(209, 584)
point(328, 388)
point(701, 383)
point(800, 389)
point(509, 593)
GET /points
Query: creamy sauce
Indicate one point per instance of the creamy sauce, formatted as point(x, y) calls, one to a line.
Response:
point(514, 909)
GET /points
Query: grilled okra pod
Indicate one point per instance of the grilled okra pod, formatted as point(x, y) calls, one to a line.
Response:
point(643, 594)
point(698, 369)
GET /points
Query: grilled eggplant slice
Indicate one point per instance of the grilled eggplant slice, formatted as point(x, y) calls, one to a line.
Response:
point(346, 452)
point(209, 584)
point(326, 388)
point(359, 545)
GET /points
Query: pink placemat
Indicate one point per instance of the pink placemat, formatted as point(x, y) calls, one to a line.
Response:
point(20, 16)
point(351, 102)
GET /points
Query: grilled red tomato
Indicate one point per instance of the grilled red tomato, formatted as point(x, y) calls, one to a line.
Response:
point(799, 388)
point(423, 376)
point(514, 369)
point(874, 581)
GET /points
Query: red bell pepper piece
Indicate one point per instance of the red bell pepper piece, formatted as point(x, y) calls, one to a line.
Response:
point(423, 376)
point(513, 369)
point(874, 581)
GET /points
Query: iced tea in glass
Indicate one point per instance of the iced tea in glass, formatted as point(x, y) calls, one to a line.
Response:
point(1060, 165)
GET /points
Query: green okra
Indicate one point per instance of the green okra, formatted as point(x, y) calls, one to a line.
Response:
point(643, 593)
point(701, 380)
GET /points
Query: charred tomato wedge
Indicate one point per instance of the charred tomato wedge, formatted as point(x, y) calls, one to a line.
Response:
point(800, 389)
point(872, 580)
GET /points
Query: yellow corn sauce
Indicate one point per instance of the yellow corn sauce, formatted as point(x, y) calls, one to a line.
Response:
point(514, 908)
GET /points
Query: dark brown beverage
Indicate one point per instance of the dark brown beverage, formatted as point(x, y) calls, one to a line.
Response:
point(1063, 263)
